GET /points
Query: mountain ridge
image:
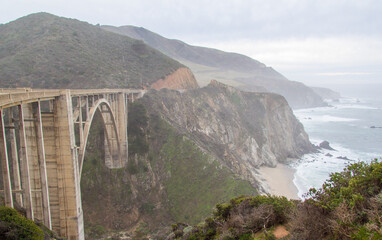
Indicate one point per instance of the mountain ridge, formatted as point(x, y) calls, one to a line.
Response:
point(233, 69)
point(42, 50)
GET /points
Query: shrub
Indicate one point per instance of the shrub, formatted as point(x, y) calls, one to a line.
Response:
point(346, 207)
point(222, 210)
point(280, 205)
point(357, 182)
point(14, 226)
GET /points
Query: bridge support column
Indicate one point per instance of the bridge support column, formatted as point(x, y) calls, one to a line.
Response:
point(68, 181)
point(24, 162)
point(35, 158)
point(8, 198)
point(15, 160)
point(122, 104)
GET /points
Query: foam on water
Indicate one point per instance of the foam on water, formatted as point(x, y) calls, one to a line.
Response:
point(329, 118)
point(346, 125)
point(313, 169)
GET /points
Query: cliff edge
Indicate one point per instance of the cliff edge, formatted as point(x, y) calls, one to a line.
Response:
point(182, 78)
point(243, 130)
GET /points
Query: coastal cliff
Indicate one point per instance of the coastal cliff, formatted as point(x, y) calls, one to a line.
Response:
point(242, 130)
point(182, 78)
point(188, 150)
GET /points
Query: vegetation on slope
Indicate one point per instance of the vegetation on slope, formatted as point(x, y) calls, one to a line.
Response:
point(45, 51)
point(348, 206)
point(15, 226)
point(167, 179)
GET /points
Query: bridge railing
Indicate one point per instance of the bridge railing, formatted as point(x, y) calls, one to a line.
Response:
point(13, 97)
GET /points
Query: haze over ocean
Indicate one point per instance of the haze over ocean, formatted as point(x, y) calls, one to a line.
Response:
point(347, 127)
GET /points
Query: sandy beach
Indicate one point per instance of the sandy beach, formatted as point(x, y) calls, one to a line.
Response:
point(280, 180)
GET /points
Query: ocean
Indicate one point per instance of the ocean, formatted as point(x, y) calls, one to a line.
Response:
point(353, 128)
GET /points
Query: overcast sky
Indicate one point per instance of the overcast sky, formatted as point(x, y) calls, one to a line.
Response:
point(318, 42)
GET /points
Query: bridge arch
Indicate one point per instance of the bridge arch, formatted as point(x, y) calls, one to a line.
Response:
point(113, 149)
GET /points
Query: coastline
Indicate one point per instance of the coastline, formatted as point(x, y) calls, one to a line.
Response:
point(279, 180)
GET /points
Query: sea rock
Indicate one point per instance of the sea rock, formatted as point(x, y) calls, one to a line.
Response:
point(343, 158)
point(325, 145)
point(329, 155)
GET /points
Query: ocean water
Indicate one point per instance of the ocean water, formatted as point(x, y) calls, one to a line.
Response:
point(346, 125)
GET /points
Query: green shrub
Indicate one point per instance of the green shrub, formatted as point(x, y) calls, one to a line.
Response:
point(364, 233)
point(281, 205)
point(347, 205)
point(222, 210)
point(357, 182)
point(14, 226)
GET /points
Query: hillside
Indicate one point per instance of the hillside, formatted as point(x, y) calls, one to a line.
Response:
point(45, 51)
point(187, 152)
point(230, 68)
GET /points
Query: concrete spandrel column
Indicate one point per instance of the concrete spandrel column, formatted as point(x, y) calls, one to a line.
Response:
point(15, 160)
point(42, 164)
point(5, 163)
point(31, 149)
point(24, 163)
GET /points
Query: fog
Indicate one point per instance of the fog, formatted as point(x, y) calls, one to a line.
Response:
point(319, 43)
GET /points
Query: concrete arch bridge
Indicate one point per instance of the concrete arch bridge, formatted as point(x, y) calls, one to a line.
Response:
point(43, 137)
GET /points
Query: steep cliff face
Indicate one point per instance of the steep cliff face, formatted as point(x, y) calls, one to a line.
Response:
point(182, 78)
point(243, 130)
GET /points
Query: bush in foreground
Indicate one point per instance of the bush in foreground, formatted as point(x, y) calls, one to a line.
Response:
point(348, 206)
point(15, 226)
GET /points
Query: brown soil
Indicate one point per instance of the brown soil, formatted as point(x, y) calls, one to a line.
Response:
point(280, 232)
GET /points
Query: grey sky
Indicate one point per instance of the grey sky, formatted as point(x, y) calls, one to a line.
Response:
point(314, 41)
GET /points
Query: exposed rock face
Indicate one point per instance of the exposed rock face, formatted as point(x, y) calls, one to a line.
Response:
point(243, 130)
point(182, 78)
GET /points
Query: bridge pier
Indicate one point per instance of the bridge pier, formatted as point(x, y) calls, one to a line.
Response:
point(41, 169)
point(64, 177)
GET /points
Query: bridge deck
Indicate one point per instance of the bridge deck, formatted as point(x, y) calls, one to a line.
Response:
point(14, 96)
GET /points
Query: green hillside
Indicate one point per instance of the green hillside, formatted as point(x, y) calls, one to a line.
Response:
point(45, 51)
